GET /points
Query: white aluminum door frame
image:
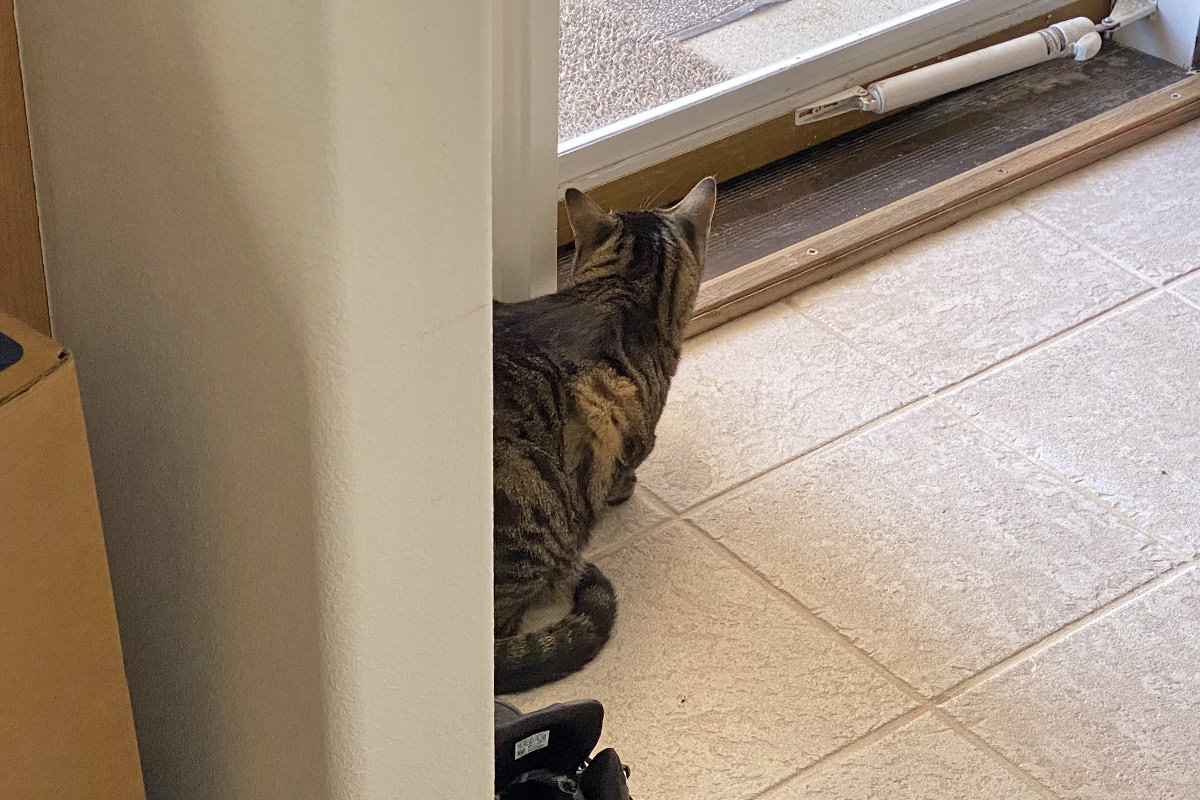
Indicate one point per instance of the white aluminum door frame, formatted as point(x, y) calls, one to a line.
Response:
point(1172, 33)
point(737, 104)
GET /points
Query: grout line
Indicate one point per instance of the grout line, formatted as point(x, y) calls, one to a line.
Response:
point(629, 539)
point(734, 489)
point(1172, 281)
point(626, 539)
point(862, 349)
point(1083, 491)
point(863, 427)
point(925, 705)
point(1066, 631)
point(899, 683)
point(858, 347)
point(1120, 307)
point(1173, 284)
point(940, 396)
point(1166, 283)
point(1184, 299)
point(1083, 242)
point(838, 755)
point(1150, 291)
point(988, 749)
point(662, 505)
point(937, 397)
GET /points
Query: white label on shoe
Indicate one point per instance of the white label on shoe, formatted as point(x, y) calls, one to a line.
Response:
point(531, 744)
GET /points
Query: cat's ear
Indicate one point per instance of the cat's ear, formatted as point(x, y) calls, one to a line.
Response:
point(589, 221)
point(697, 210)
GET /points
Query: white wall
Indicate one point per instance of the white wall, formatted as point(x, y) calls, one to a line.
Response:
point(267, 239)
point(1170, 34)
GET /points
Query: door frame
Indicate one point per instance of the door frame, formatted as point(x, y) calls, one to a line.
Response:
point(740, 103)
point(1172, 34)
point(524, 148)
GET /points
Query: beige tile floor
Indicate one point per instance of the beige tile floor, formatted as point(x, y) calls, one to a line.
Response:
point(930, 530)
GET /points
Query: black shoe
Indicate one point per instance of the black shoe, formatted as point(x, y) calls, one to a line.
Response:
point(544, 755)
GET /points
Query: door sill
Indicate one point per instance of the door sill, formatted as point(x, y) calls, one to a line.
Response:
point(823, 255)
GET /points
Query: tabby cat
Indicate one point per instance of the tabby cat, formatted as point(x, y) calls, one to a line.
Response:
point(580, 380)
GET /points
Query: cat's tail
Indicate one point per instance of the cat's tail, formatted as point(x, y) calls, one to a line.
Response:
point(531, 659)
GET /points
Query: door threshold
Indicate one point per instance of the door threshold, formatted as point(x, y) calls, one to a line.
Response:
point(806, 256)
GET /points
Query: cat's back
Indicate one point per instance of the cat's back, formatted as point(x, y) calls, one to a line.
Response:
point(524, 342)
point(562, 330)
point(540, 348)
point(529, 371)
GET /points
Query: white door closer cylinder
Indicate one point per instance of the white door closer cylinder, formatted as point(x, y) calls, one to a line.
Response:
point(1079, 38)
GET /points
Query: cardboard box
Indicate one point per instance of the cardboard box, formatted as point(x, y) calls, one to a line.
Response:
point(66, 728)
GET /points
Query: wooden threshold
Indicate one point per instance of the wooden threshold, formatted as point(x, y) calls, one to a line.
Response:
point(849, 245)
point(833, 183)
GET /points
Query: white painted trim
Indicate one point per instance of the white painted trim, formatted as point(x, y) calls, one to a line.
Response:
point(525, 149)
point(735, 105)
point(1170, 33)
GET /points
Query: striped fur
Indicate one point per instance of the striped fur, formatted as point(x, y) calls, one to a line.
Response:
point(580, 379)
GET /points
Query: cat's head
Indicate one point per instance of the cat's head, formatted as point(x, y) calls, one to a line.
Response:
point(659, 254)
